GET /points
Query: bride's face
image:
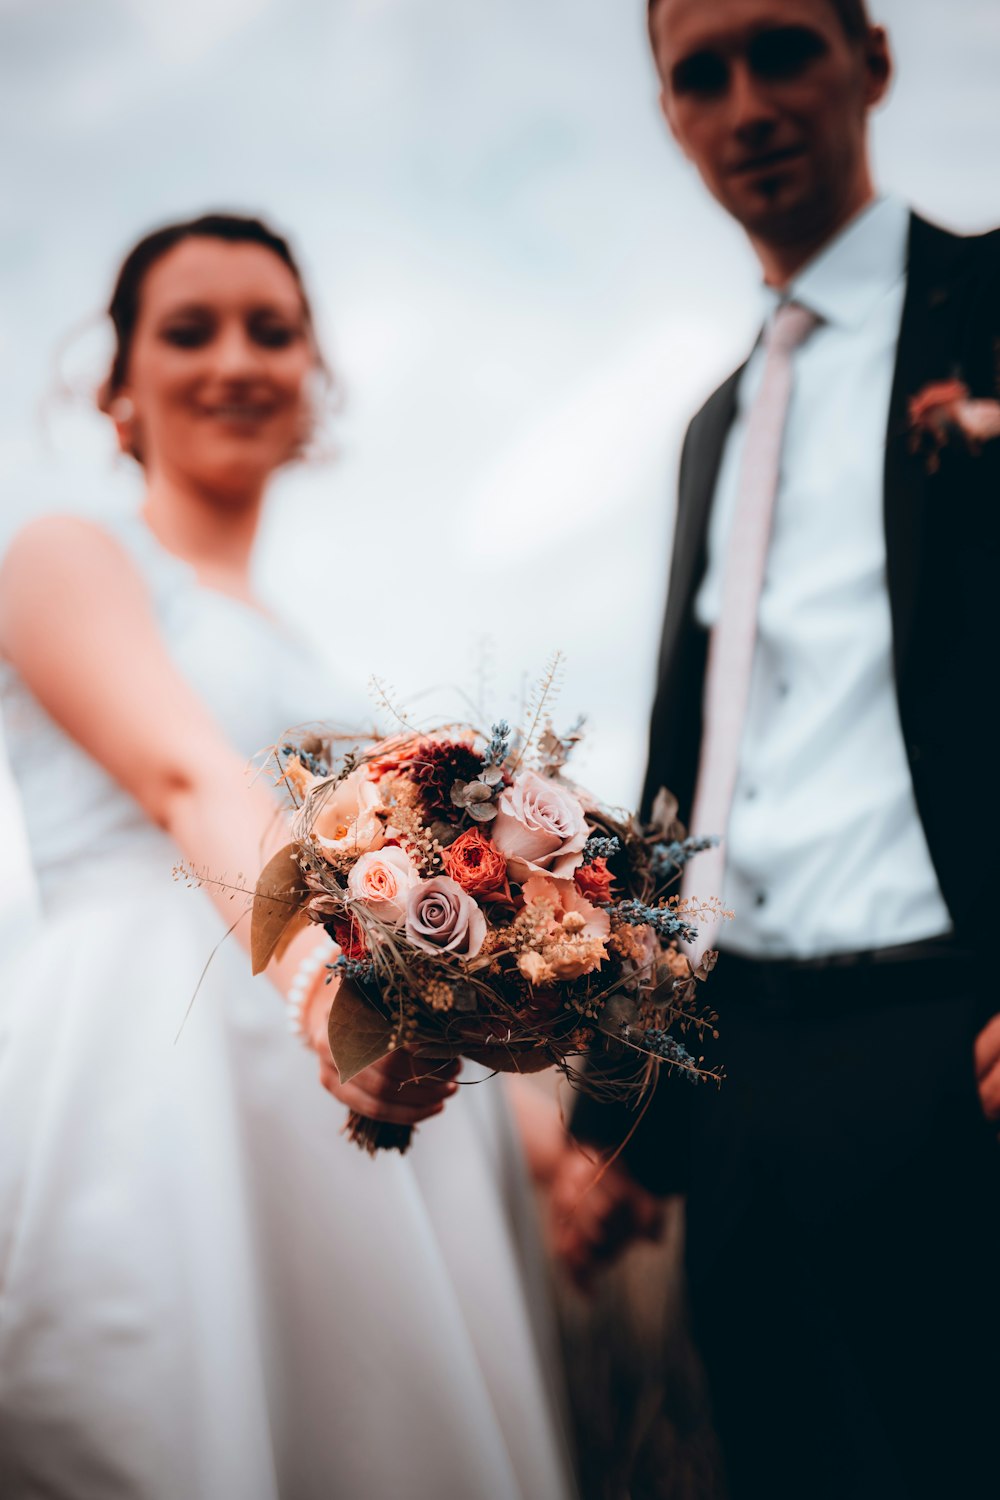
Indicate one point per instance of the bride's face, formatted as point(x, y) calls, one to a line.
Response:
point(219, 364)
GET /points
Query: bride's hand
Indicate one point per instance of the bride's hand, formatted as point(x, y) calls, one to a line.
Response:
point(400, 1089)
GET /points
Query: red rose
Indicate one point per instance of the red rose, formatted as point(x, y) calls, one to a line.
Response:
point(594, 881)
point(349, 937)
point(474, 864)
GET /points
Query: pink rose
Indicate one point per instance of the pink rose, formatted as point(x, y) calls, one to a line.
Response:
point(381, 880)
point(347, 821)
point(441, 918)
point(540, 828)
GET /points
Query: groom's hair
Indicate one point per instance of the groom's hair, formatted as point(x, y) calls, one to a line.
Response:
point(852, 14)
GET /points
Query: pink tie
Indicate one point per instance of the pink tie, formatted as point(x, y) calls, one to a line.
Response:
point(731, 649)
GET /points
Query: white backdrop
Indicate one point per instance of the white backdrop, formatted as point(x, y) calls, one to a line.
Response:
point(522, 285)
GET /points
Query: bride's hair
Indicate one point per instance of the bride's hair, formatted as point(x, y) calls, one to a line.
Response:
point(123, 309)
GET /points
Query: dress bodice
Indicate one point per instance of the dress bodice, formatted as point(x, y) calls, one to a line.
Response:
point(258, 678)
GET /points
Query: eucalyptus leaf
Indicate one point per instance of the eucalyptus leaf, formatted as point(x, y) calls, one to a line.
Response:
point(359, 1033)
point(708, 963)
point(512, 1060)
point(278, 902)
point(620, 1009)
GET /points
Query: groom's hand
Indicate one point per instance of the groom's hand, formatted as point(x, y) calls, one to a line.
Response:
point(598, 1212)
point(988, 1068)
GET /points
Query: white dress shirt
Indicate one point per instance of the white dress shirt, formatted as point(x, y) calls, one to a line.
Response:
point(825, 851)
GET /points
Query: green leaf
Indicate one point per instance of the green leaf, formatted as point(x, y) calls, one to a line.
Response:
point(359, 1033)
point(278, 901)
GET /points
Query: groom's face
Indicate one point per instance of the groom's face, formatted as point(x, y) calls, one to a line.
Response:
point(769, 99)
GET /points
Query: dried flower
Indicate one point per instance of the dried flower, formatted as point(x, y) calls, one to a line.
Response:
point(600, 848)
point(536, 970)
point(574, 956)
point(667, 860)
point(476, 797)
point(562, 899)
point(298, 775)
point(498, 749)
point(438, 995)
point(433, 766)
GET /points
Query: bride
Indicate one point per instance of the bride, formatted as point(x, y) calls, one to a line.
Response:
point(205, 1291)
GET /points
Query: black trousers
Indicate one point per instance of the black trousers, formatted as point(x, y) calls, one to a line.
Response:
point(843, 1240)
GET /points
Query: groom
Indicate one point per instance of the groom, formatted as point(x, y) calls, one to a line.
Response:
point(825, 702)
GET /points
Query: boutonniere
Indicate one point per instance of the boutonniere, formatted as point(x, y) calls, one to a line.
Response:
point(944, 412)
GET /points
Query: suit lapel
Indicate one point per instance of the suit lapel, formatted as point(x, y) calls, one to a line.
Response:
point(675, 726)
point(700, 474)
point(926, 352)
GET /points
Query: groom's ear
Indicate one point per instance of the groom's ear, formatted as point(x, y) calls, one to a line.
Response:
point(878, 66)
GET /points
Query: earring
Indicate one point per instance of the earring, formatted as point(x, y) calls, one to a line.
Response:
point(121, 410)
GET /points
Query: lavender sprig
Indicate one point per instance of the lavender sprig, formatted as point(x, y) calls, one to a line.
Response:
point(663, 919)
point(498, 749)
point(360, 970)
point(600, 848)
point(313, 763)
point(670, 859)
point(661, 1044)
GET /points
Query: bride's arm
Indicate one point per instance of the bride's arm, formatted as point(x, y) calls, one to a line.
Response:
point(76, 623)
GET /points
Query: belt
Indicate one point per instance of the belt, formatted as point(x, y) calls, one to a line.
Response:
point(844, 981)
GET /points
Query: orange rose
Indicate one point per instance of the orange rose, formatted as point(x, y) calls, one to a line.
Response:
point(594, 881)
point(479, 868)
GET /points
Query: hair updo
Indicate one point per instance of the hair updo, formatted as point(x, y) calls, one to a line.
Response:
point(123, 309)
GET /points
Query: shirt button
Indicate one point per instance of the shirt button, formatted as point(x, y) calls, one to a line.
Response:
point(750, 795)
point(784, 689)
point(760, 899)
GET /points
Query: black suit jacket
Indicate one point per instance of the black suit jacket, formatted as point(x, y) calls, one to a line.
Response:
point(943, 562)
point(943, 566)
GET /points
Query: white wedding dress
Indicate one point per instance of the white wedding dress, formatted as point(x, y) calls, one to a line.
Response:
point(207, 1293)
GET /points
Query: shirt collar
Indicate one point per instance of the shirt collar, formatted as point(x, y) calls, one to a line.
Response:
point(847, 279)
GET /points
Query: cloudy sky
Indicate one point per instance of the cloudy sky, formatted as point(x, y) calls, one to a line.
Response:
point(522, 285)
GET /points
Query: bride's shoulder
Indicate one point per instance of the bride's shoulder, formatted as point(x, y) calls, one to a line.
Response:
point(42, 542)
point(55, 559)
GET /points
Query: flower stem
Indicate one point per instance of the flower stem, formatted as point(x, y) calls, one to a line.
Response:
point(374, 1136)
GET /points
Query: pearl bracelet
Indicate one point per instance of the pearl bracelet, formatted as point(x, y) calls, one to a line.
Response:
point(305, 975)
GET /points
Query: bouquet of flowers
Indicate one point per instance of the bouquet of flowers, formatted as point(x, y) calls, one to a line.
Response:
point(484, 906)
